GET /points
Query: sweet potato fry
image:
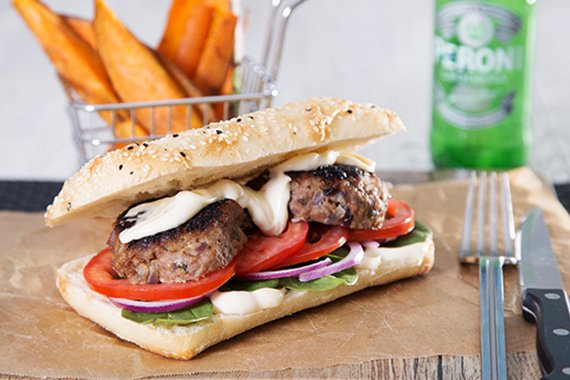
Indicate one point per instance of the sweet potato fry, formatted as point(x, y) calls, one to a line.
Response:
point(217, 54)
point(227, 89)
point(175, 26)
point(126, 130)
point(228, 85)
point(223, 5)
point(192, 41)
point(83, 28)
point(72, 57)
point(202, 113)
point(176, 23)
point(124, 56)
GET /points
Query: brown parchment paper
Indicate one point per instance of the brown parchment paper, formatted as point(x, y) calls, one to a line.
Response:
point(431, 315)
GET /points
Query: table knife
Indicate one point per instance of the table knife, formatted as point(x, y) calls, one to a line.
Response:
point(544, 300)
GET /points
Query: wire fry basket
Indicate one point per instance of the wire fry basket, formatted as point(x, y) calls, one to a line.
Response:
point(95, 135)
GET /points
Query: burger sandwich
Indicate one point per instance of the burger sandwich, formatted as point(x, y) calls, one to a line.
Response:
point(224, 228)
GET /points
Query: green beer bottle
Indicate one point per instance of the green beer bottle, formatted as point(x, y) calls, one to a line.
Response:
point(482, 76)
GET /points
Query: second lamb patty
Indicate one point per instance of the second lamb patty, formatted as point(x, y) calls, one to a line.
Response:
point(339, 195)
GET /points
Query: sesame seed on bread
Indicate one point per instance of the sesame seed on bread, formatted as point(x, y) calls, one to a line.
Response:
point(236, 148)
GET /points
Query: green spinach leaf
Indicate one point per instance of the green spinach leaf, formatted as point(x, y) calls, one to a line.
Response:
point(349, 276)
point(345, 277)
point(319, 285)
point(419, 234)
point(199, 312)
point(249, 286)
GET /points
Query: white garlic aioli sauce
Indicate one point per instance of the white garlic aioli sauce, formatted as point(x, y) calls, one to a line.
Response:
point(353, 159)
point(267, 207)
point(396, 257)
point(240, 302)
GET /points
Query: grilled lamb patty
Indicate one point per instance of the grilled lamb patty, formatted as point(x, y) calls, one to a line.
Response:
point(208, 241)
point(339, 195)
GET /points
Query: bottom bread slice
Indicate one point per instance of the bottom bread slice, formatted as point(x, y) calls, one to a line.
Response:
point(185, 342)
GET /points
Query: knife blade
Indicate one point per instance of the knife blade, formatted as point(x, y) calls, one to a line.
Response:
point(544, 300)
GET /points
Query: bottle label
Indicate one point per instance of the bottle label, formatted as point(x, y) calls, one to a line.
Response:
point(479, 63)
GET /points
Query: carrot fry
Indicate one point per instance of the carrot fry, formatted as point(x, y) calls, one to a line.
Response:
point(123, 55)
point(217, 54)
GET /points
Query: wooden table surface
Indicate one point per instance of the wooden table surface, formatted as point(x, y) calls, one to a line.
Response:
point(521, 366)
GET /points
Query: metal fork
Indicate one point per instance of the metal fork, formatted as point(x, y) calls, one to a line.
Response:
point(493, 352)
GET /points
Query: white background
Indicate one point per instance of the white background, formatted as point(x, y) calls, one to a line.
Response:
point(366, 50)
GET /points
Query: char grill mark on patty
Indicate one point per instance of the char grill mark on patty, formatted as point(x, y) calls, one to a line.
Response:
point(207, 242)
point(339, 195)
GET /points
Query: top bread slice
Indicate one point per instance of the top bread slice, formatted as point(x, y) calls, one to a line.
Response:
point(237, 148)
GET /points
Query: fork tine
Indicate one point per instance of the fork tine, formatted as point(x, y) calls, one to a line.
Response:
point(493, 251)
point(465, 251)
point(508, 220)
point(481, 215)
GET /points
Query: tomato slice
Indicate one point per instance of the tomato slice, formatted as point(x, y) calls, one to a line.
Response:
point(101, 278)
point(263, 252)
point(399, 221)
point(328, 239)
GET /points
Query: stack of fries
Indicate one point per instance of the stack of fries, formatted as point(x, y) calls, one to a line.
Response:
point(105, 63)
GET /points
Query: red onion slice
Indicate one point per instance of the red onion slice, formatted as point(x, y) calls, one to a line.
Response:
point(355, 256)
point(269, 275)
point(157, 306)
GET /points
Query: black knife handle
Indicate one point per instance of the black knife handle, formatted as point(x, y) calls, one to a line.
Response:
point(548, 308)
